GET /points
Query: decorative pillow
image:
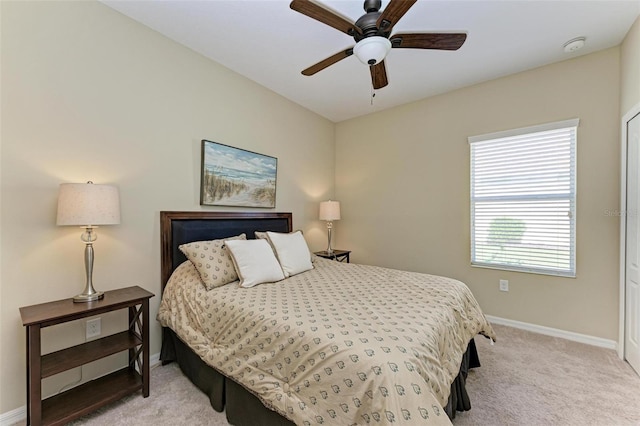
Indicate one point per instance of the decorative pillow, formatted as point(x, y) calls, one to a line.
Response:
point(263, 236)
point(212, 261)
point(255, 262)
point(292, 252)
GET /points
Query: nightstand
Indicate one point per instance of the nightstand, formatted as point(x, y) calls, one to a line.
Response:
point(339, 255)
point(76, 402)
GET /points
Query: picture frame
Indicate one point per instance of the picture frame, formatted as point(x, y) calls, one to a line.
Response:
point(236, 177)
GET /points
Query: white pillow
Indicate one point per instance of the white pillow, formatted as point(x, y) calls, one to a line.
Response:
point(263, 236)
point(292, 252)
point(254, 261)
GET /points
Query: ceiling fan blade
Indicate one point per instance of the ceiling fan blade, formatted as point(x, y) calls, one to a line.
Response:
point(327, 62)
point(319, 13)
point(392, 13)
point(442, 41)
point(379, 75)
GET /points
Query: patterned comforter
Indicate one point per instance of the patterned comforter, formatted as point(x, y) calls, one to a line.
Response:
point(340, 344)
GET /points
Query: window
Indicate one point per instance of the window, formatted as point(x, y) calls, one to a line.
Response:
point(523, 199)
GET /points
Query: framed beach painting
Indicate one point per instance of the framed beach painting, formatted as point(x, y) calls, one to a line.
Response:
point(236, 177)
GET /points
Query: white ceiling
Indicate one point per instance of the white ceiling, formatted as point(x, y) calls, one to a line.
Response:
point(267, 42)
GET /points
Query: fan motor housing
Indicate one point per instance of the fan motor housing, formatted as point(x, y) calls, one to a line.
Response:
point(368, 24)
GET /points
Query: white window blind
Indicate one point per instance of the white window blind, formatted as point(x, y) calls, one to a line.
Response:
point(523, 199)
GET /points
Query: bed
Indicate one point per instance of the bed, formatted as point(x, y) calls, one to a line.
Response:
point(338, 344)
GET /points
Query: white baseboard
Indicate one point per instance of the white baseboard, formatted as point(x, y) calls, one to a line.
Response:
point(13, 416)
point(20, 414)
point(554, 332)
point(154, 359)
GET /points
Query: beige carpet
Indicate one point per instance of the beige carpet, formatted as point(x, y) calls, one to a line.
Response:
point(531, 379)
point(525, 379)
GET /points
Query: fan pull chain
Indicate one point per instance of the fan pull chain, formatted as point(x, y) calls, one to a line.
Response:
point(373, 94)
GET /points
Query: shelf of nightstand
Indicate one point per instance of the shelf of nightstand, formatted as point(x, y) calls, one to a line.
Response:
point(79, 401)
point(57, 362)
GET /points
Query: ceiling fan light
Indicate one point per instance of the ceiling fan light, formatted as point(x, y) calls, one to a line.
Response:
point(372, 50)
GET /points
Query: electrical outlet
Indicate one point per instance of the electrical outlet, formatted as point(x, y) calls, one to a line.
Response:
point(93, 328)
point(504, 285)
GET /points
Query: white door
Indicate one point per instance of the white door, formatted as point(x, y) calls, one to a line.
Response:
point(632, 273)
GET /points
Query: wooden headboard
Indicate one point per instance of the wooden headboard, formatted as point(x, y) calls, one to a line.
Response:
point(178, 228)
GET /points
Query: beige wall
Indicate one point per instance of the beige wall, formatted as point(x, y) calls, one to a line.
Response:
point(402, 177)
point(90, 94)
point(630, 69)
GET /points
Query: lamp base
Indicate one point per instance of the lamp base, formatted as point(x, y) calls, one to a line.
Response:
point(81, 298)
point(329, 227)
point(89, 294)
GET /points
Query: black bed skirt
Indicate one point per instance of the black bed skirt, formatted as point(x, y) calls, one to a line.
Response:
point(245, 409)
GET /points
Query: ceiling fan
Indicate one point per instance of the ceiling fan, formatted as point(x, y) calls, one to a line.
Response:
point(372, 33)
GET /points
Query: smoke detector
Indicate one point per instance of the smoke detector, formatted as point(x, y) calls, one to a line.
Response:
point(574, 44)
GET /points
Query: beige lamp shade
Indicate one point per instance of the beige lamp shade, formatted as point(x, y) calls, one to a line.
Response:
point(87, 204)
point(330, 210)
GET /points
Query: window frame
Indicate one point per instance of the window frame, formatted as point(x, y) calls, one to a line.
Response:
point(571, 197)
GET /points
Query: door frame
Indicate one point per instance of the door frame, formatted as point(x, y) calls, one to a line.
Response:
point(623, 226)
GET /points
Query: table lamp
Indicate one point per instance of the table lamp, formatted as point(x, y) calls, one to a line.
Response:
point(88, 205)
point(329, 211)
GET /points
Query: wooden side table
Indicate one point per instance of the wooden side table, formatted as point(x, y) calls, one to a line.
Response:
point(76, 402)
point(339, 255)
